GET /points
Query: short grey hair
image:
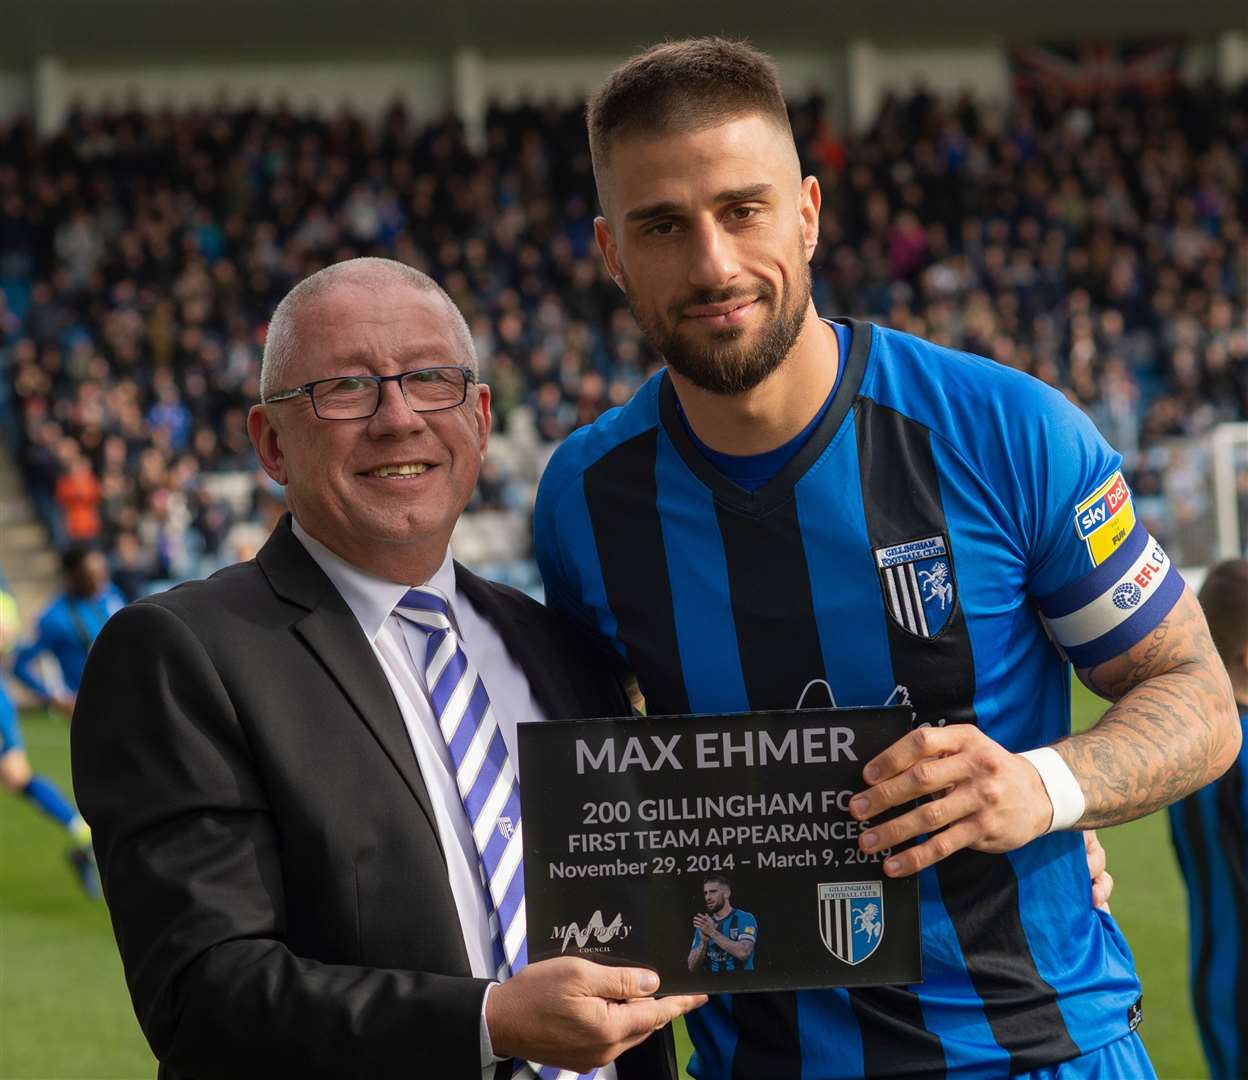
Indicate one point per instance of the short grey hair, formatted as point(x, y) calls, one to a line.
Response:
point(281, 343)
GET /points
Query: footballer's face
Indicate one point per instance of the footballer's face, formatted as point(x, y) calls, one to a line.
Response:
point(709, 233)
point(715, 895)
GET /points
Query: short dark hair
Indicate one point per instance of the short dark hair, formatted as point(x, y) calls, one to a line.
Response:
point(718, 879)
point(1224, 596)
point(73, 557)
point(683, 86)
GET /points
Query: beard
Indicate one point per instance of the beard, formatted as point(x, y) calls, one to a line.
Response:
point(727, 364)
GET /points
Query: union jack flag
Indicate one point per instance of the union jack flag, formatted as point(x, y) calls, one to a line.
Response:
point(1092, 68)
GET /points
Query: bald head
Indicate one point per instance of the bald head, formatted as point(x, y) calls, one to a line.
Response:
point(281, 344)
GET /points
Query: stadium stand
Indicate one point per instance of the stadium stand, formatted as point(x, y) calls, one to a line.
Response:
point(1100, 245)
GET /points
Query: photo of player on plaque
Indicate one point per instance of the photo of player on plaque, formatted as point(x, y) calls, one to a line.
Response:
point(724, 937)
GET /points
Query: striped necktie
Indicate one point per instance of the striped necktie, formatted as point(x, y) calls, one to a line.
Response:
point(487, 785)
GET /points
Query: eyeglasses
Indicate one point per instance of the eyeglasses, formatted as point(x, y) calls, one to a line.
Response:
point(357, 397)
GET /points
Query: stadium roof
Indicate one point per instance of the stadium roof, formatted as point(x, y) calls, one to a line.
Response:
point(173, 31)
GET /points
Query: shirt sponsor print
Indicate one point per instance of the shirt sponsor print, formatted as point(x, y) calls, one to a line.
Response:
point(1105, 518)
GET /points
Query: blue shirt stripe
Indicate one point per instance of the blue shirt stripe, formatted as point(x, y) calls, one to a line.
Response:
point(696, 564)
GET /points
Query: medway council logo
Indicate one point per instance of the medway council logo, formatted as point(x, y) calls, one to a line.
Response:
point(851, 919)
point(596, 929)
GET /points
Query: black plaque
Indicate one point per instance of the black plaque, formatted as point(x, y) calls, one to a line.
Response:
point(625, 819)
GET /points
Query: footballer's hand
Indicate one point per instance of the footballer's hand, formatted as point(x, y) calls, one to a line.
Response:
point(982, 797)
point(578, 1015)
point(704, 923)
point(1102, 880)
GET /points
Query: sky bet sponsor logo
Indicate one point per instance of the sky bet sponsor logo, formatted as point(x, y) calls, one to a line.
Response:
point(1105, 518)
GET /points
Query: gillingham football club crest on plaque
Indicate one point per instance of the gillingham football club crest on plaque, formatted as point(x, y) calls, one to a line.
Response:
point(851, 919)
point(917, 581)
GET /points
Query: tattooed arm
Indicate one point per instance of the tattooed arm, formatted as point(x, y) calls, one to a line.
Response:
point(1172, 729)
point(1173, 726)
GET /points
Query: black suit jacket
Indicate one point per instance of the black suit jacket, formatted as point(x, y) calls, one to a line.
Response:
point(266, 841)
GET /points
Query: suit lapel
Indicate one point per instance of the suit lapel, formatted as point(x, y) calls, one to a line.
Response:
point(331, 631)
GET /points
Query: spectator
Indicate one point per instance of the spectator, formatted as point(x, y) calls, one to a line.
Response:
point(78, 494)
point(1098, 245)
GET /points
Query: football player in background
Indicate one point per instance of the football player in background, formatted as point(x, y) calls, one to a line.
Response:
point(16, 774)
point(1210, 833)
point(68, 626)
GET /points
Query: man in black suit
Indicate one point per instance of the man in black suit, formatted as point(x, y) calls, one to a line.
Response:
point(280, 823)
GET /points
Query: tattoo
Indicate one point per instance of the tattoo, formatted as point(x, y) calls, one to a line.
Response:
point(1172, 728)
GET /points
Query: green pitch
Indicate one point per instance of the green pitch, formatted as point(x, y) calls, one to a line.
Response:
point(65, 1014)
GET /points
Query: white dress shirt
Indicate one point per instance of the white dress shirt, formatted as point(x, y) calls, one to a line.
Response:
point(400, 650)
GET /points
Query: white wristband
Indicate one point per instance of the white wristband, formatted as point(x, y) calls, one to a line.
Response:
point(1064, 791)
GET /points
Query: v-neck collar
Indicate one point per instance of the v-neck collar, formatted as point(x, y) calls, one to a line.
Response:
point(779, 488)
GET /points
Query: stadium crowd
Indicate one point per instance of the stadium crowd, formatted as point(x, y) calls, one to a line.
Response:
point(1100, 245)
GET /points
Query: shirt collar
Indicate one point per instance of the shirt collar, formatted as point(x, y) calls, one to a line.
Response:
point(370, 598)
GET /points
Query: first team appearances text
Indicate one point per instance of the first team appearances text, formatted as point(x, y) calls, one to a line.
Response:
point(718, 842)
point(624, 819)
point(749, 748)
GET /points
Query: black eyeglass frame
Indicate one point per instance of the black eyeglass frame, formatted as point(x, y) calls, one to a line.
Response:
point(470, 377)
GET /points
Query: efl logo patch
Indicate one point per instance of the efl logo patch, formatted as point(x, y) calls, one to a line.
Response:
point(917, 581)
point(1105, 518)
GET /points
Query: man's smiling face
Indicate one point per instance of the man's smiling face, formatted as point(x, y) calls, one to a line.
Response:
point(372, 488)
point(709, 232)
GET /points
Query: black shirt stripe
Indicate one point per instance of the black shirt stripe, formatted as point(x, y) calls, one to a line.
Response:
point(778, 640)
point(902, 501)
point(772, 606)
point(622, 495)
point(1233, 838)
point(1198, 850)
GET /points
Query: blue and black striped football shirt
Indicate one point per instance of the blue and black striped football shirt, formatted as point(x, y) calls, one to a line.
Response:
point(738, 925)
point(1210, 833)
point(949, 535)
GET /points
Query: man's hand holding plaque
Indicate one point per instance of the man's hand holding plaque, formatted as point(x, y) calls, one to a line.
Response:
point(976, 794)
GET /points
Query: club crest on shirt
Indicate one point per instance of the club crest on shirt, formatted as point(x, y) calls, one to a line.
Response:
point(851, 919)
point(917, 581)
